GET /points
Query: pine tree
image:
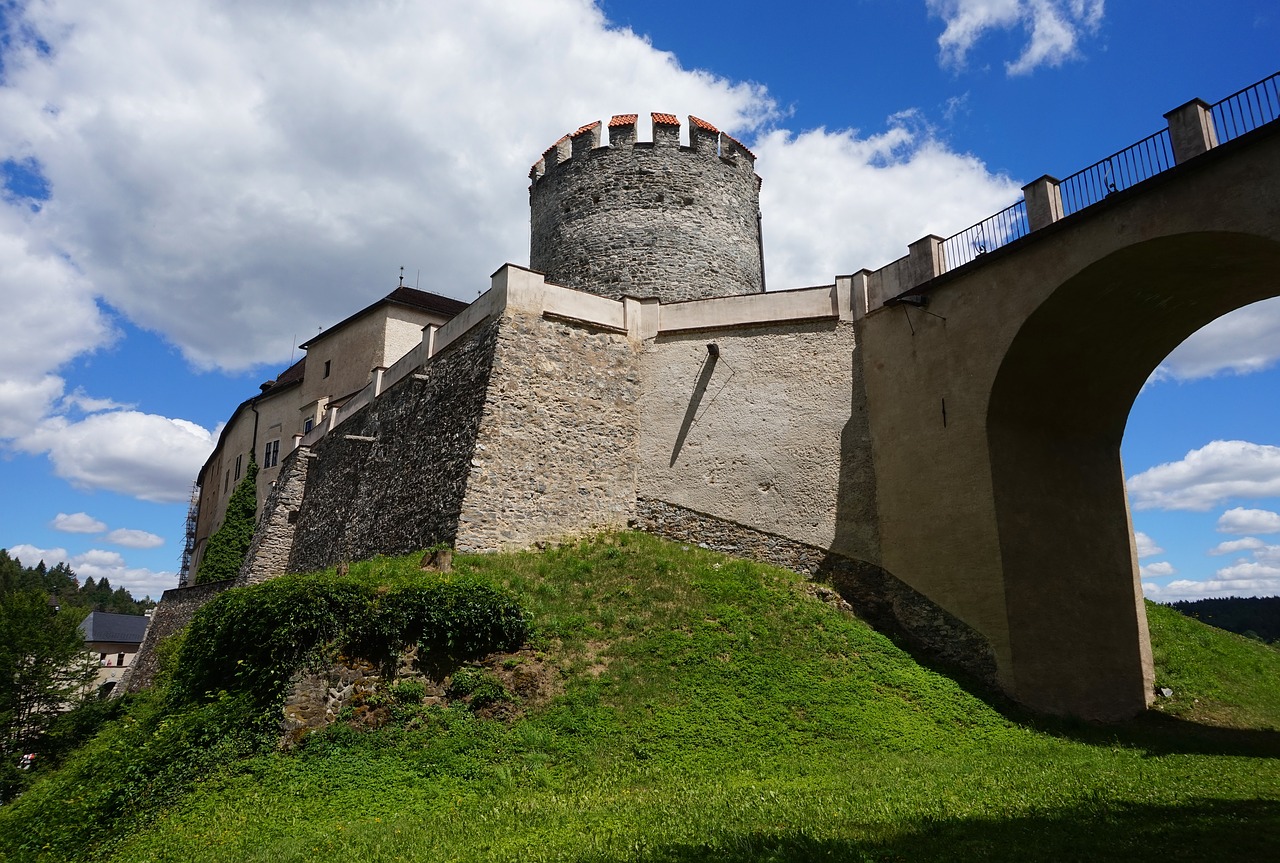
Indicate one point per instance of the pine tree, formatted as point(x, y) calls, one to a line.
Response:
point(225, 553)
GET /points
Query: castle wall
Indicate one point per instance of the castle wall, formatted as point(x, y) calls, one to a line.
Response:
point(176, 608)
point(731, 437)
point(391, 478)
point(555, 455)
point(648, 219)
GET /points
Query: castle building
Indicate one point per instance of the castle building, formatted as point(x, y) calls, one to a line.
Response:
point(338, 363)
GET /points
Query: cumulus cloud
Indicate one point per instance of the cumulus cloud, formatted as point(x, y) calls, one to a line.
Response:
point(134, 538)
point(78, 522)
point(822, 185)
point(1241, 520)
point(150, 457)
point(1159, 569)
point(1146, 545)
point(1233, 546)
point(1054, 28)
point(1259, 576)
point(1207, 476)
point(98, 564)
point(1244, 341)
point(30, 555)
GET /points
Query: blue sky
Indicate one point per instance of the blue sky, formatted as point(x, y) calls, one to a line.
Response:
point(193, 189)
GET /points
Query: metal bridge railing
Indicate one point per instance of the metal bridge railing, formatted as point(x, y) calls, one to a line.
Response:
point(991, 233)
point(1131, 165)
point(1247, 110)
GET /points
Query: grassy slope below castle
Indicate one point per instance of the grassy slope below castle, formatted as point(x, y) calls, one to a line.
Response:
point(713, 708)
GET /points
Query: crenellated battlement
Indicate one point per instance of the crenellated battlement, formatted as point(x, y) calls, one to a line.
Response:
point(621, 216)
point(704, 139)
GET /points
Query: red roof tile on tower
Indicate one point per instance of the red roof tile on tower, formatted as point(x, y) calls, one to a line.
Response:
point(623, 120)
point(702, 124)
point(665, 119)
point(563, 138)
point(582, 130)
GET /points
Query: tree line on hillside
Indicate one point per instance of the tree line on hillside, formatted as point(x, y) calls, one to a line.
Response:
point(45, 670)
point(1253, 617)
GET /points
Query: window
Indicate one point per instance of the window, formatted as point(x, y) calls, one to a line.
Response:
point(327, 364)
point(306, 426)
point(238, 467)
point(226, 483)
point(120, 660)
point(271, 457)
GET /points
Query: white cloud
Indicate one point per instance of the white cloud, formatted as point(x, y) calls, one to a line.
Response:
point(79, 522)
point(1244, 341)
point(30, 555)
point(1257, 577)
point(1233, 546)
point(99, 564)
point(150, 457)
point(1146, 545)
point(1187, 589)
point(1159, 569)
point(1241, 520)
point(134, 538)
point(1209, 475)
point(216, 175)
point(1054, 28)
point(821, 185)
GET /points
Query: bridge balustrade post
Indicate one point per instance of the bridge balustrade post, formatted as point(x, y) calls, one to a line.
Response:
point(924, 260)
point(1191, 130)
point(1044, 202)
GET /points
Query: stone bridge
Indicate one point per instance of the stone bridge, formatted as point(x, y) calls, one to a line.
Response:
point(998, 394)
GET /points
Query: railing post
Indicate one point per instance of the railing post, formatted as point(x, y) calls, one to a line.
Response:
point(376, 374)
point(429, 339)
point(924, 260)
point(1191, 130)
point(1044, 202)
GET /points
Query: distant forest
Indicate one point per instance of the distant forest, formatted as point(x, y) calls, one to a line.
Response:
point(1252, 617)
point(62, 585)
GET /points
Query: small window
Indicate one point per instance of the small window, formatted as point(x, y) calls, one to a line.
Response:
point(226, 483)
point(327, 364)
point(238, 458)
point(120, 660)
point(306, 426)
point(271, 456)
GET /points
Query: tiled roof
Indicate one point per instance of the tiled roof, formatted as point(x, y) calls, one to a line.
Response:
point(623, 120)
point(108, 626)
point(582, 130)
point(665, 119)
point(702, 124)
point(426, 300)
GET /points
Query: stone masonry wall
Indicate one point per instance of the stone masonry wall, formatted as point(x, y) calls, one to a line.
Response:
point(649, 219)
point(176, 608)
point(555, 455)
point(392, 477)
point(887, 603)
point(272, 544)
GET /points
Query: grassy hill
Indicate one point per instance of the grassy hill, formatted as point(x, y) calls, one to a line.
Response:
point(673, 704)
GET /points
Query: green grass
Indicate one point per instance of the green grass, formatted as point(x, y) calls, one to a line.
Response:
point(712, 709)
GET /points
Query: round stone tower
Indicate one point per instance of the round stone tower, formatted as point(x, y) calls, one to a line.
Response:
point(648, 219)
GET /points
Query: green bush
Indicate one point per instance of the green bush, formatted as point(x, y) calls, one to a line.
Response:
point(255, 639)
point(226, 550)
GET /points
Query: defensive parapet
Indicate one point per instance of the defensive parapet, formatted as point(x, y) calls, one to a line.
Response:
point(648, 219)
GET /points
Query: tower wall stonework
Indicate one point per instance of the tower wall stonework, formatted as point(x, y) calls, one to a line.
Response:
point(648, 219)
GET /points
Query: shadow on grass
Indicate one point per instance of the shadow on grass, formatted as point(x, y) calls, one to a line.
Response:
point(1196, 831)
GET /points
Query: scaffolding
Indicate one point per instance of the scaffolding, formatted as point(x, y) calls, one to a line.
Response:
point(189, 544)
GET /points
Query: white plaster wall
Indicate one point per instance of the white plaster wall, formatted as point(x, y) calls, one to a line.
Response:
point(765, 444)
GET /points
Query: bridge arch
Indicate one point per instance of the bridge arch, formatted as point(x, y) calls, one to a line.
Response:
point(1055, 420)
